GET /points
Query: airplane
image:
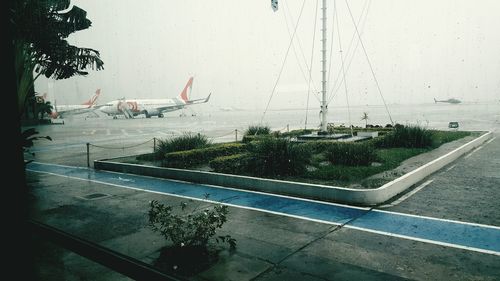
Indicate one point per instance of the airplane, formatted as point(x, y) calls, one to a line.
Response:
point(150, 107)
point(453, 101)
point(74, 109)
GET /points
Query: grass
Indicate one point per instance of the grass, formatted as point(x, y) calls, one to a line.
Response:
point(273, 157)
point(343, 175)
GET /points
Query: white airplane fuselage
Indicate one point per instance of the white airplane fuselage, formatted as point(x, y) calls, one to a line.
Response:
point(148, 107)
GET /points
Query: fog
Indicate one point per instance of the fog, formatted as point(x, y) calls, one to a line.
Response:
point(235, 49)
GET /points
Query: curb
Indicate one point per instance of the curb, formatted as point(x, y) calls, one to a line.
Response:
point(364, 197)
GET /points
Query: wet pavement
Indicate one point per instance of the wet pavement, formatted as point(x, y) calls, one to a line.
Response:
point(274, 245)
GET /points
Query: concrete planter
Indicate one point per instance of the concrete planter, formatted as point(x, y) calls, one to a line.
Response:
point(365, 197)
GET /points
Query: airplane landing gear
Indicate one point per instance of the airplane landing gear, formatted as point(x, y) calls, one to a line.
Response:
point(160, 115)
point(114, 117)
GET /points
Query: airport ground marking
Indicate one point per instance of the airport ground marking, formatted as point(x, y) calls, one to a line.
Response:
point(456, 234)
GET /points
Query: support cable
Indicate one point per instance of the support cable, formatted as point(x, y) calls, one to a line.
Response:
point(300, 48)
point(311, 64)
point(283, 64)
point(368, 60)
point(350, 55)
point(343, 69)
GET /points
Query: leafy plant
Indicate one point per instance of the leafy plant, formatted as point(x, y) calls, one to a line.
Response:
point(365, 117)
point(254, 130)
point(351, 154)
point(278, 157)
point(27, 138)
point(189, 229)
point(187, 141)
point(407, 136)
point(41, 46)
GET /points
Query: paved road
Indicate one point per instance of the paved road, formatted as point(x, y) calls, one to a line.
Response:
point(448, 230)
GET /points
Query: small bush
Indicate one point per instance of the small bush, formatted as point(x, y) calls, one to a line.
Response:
point(254, 130)
point(231, 164)
point(351, 154)
point(250, 138)
point(407, 136)
point(189, 229)
point(189, 158)
point(278, 157)
point(295, 133)
point(187, 141)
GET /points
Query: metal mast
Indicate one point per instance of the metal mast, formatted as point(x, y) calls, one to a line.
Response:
point(324, 106)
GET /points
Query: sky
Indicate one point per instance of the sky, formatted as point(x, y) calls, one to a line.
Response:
point(418, 50)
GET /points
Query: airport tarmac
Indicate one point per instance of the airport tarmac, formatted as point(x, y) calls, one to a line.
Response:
point(367, 244)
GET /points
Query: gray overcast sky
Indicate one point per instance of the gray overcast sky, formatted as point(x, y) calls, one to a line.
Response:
point(235, 48)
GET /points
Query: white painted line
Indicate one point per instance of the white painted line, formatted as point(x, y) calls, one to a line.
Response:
point(490, 141)
point(451, 167)
point(406, 196)
point(438, 219)
point(425, 240)
point(216, 186)
point(472, 152)
point(93, 132)
point(108, 132)
point(288, 215)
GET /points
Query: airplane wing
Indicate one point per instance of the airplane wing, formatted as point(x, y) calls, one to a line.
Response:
point(199, 100)
point(183, 104)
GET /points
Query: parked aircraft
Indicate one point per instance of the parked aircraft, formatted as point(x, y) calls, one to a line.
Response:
point(150, 107)
point(454, 101)
point(75, 109)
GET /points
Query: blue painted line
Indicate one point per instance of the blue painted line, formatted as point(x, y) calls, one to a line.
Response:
point(474, 237)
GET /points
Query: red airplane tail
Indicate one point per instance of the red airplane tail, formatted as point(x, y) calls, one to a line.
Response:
point(184, 93)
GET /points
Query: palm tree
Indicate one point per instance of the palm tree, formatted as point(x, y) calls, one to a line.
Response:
point(41, 30)
point(365, 117)
point(44, 108)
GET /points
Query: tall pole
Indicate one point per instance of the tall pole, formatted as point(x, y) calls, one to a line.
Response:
point(324, 107)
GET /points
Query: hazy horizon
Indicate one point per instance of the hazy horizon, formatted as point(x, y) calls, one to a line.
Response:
point(234, 49)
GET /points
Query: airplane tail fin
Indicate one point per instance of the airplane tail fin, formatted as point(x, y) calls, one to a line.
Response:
point(184, 94)
point(54, 114)
point(93, 100)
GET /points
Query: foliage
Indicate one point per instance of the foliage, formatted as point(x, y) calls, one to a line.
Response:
point(278, 157)
point(189, 228)
point(251, 138)
point(254, 130)
point(295, 133)
point(189, 158)
point(187, 141)
point(440, 137)
point(343, 174)
point(230, 164)
point(365, 117)
point(407, 136)
point(27, 138)
point(41, 46)
point(351, 154)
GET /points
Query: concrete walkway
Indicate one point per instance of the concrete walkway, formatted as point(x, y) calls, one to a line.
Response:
point(281, 244)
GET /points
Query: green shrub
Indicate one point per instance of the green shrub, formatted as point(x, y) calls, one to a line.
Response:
point(407, 136)
point(189, 158)
point(231, 164)
point(250, 138)
point(278, 157)
point(189, 229)
point(254, 130)
point(187, 141)
point(351, 154)
point(441, 137)
point(295, 133)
